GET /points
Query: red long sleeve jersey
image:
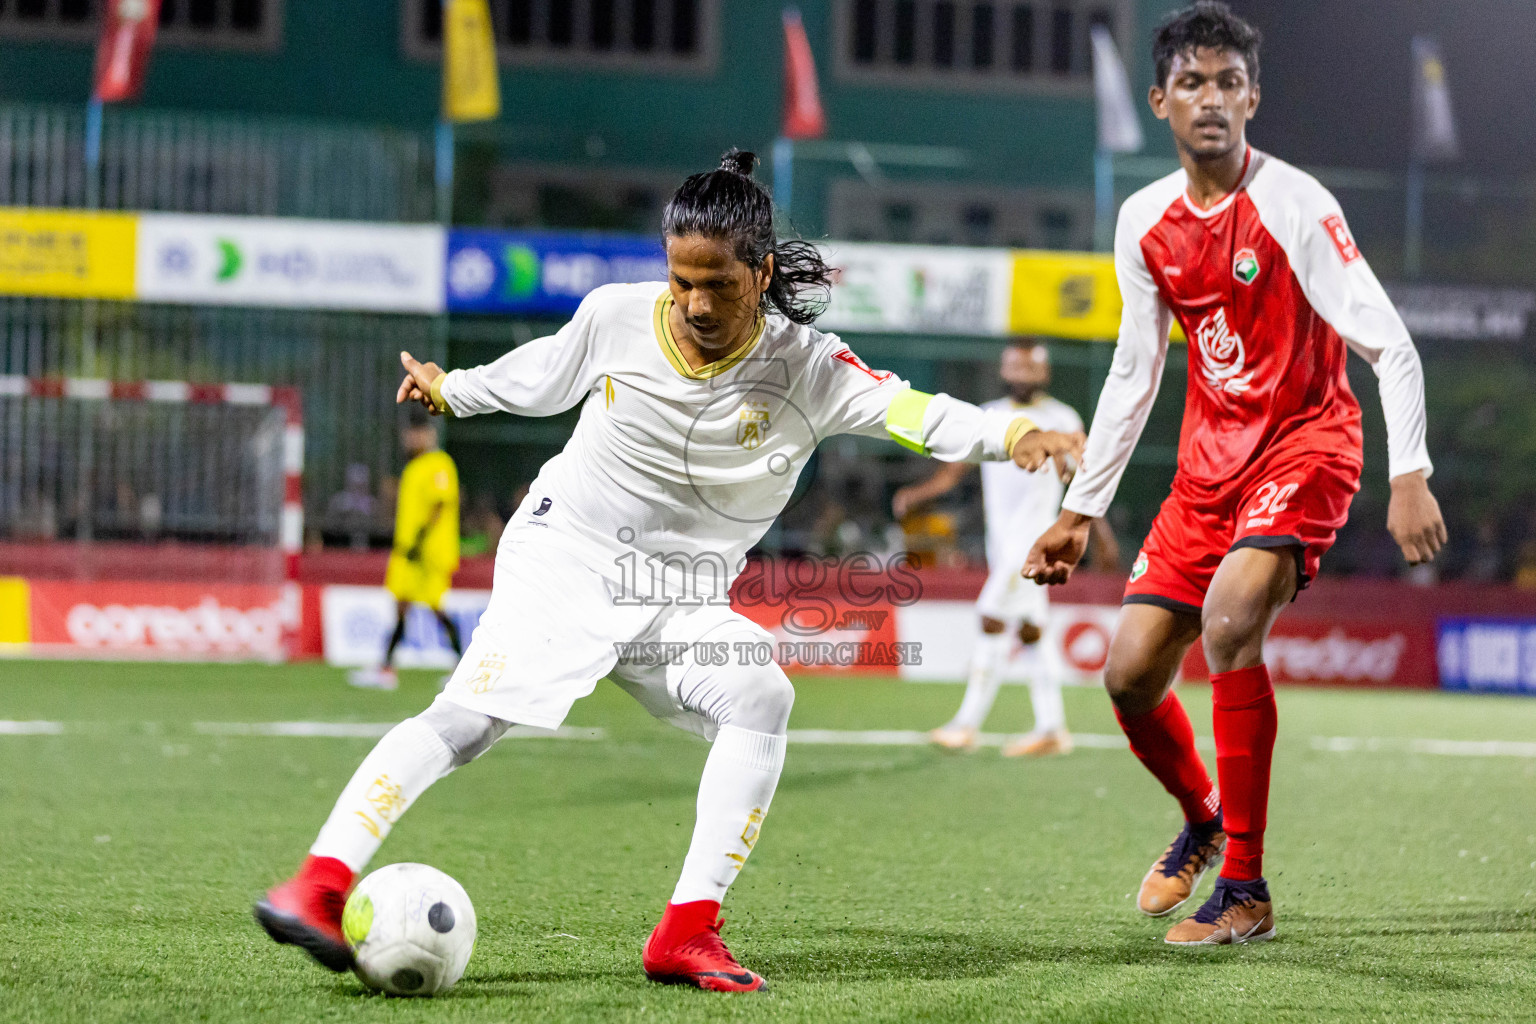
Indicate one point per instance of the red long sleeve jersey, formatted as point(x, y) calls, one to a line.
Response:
point(1270, 288)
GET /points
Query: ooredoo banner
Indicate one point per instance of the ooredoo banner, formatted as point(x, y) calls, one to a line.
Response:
point(271, 261)
point(164, 620)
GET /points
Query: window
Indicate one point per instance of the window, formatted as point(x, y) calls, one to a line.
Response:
point(651, 35)
point(999, 43)
point(199, 24)
point(933, 213)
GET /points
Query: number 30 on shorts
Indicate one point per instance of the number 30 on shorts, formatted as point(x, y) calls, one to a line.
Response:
point(1273, 499)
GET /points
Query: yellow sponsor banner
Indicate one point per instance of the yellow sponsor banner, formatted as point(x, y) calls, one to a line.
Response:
point(15, 611)
point(67, 253)
point(1066, 295)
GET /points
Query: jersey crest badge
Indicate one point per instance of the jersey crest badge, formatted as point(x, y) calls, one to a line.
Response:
point(752, 425)
point(1338, 233)
point(1221, 355)
point(1245, 266)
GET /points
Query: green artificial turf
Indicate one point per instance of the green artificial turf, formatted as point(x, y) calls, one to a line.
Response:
point(890, 883)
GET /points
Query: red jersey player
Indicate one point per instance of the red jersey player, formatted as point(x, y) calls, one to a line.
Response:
point(1254, 259)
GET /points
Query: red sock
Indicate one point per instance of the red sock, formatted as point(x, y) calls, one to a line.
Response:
point(1164, 741)
point(682, 921)
point(1245, 724)
point(326, 874)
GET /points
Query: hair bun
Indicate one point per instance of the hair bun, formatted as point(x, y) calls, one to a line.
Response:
point(739, 161)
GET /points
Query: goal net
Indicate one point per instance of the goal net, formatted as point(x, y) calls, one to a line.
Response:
point(150, 461)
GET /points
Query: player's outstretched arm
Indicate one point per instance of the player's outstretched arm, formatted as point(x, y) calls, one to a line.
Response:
point(1036, 447)
point(1413, 518)
point(1059, 549)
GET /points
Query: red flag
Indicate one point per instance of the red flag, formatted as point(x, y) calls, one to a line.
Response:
point(122, 56)
point(803, 116)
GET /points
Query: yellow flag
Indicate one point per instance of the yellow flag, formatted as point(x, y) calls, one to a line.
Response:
point(471, 88)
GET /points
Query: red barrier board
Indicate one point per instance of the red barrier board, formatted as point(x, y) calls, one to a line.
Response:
point(1344, 652)
point(166, 620)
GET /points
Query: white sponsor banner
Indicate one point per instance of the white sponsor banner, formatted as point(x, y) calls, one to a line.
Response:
point(919, 289)
point(357, 623)
point(270, 261)
point(1076, 634)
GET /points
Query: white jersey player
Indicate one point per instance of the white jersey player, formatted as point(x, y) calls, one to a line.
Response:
point(702, 399)
point(1019, 505)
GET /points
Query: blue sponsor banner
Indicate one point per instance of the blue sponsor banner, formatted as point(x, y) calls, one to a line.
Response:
point(1491, 655)
point(492, 271)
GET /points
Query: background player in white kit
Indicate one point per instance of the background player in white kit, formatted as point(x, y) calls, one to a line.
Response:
point(1019, 506)
point(702, 399)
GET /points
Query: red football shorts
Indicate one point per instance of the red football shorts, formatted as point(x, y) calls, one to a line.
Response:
point(1299, 501)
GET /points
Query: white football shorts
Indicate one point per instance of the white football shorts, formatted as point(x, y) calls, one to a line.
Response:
point(555, 627)
point(1010, 597)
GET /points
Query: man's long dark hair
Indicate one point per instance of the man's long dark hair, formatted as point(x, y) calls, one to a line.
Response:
point(1208, 24)
point(728, 204)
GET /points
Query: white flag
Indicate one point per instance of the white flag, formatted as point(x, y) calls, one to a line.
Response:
point(1119, 127)
point(1434, 126)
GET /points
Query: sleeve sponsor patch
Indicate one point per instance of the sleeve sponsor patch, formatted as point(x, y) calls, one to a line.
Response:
point(846, 355)
point(1338, 232)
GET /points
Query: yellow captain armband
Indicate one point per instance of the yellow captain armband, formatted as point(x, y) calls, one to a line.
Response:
point(904, 419)
point(435, 393)
point(1020, 426)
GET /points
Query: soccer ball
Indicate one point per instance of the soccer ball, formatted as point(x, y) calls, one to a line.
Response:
point(411, 928)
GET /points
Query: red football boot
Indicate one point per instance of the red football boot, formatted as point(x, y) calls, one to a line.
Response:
point(305, 911)
point(685, 949)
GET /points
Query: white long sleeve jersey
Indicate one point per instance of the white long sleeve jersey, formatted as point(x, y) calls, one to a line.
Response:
point(1271, 290)
point(673, 473)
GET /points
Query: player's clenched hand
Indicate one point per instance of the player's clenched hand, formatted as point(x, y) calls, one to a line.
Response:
point(1058, 550)
point(1413, 518)
point(1031, 450)
point(417, 386)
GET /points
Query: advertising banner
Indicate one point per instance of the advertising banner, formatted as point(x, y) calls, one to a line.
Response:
point(1331, 652)
point(164, 620)
point(914, 289)
point(1488, 655)
point(830, 635)
point(945, 633)
point(542, 272)
point(66, 254)
point(356, 624)
point(1064, 295)
point(270, 261)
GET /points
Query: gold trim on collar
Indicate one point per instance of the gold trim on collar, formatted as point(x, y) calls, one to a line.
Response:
point(675, 355)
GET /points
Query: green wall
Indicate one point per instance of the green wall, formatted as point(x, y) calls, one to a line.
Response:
point(341, 59)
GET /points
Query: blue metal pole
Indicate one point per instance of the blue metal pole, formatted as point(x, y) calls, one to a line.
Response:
point(1413, 234)
point(93, 153)
point(1103, 200)
point(443, 171)
point(783, 174)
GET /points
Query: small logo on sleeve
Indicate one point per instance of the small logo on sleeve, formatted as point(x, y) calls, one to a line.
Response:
point(543, 507)
point(1245, 266)
point(1139, 569)
point(1338, 232)
point(846, 355)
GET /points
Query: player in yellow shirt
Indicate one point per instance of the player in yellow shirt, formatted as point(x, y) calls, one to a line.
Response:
point(426, 548)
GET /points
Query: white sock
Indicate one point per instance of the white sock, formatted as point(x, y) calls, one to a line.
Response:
point(409, 758)
point(987, 660)
point(739, 778)
point(1045, 691)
